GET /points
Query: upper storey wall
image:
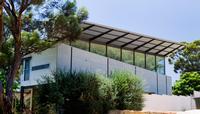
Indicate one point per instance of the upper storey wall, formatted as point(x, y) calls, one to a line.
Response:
point(68, 58)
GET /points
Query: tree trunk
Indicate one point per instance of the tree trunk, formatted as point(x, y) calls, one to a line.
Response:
point(1, 41)
point(16, 24)
point(1, 98)
point(1, 22)
point(10, 78)
point(14, 67)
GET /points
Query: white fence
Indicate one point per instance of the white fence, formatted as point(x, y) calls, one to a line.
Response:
point(168, 103)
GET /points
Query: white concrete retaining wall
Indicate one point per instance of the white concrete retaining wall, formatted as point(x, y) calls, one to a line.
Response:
point(168, 103)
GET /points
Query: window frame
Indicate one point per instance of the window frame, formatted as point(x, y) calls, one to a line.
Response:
point(27, 69)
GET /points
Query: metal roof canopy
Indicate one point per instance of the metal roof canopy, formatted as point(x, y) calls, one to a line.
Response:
point(110, 36)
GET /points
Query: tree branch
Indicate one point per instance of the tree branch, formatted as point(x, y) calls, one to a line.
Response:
point(24, 6)
point(9, 11)
point(1, 95)
point(1, 23)
point(12, 5)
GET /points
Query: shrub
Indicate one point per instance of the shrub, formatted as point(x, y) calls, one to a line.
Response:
point(75, 93)
point(88, 93)
point(128, 91)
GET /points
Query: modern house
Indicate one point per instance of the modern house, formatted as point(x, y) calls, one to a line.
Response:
point(102, 49)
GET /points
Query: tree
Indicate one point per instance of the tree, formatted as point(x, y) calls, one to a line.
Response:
point(187, 60)
point(17, 18)
point(188, 83)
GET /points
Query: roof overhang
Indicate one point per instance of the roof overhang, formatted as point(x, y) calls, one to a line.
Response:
point(110, 36)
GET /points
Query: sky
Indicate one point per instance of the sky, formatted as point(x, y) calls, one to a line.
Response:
point(175, 20)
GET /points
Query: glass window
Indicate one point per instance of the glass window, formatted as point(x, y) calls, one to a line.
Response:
point(160, 64)
point(114, 53)
point(150, 62)
point(127, 56)
point(139, 59)
point(98, 48)
point(81, 44)
point(40, 67)
point(27, 69)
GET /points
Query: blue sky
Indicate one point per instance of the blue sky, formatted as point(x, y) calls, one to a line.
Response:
point(176, 20)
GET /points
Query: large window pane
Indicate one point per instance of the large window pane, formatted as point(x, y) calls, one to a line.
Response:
point(160, 62)
point(81, 44)
point(139, 59)
point(127, 56)
point(150, 62)
point(27, 69)
point(99, 49)
point(114, 53)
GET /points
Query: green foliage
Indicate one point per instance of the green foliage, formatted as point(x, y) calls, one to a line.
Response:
point(128, 91)
point(88, 93)
point(28, 32)
point(40, 34)
point(66, 24)
point(31, 42)
point(188, 83)
point(81, 45)
point(3, 80)
point(77, 92)
point(127, 56)
point(114, 53)
point(98, 48)
point(187, 60)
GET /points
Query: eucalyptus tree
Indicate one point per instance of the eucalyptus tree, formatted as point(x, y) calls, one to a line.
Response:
point(24, 31)
point(187, 63)
point(187, 59)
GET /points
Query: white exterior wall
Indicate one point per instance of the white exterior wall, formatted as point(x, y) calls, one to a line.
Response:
point(63, 57)
point(46, 57)
point(60, 58)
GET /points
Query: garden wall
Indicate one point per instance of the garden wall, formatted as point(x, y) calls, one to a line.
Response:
point(135, 112)
point(163, 104)
point(168, 103)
